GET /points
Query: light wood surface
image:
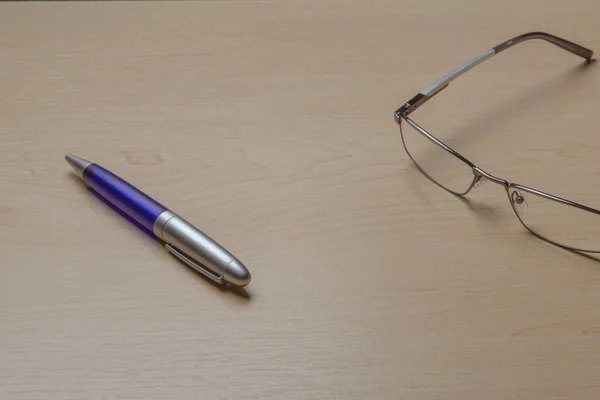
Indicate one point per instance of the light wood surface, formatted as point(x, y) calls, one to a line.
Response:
point(269, 125)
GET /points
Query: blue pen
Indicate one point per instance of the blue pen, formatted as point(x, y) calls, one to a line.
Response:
point(183, 240)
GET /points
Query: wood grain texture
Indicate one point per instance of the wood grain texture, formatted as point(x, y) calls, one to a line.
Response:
point(269, 125)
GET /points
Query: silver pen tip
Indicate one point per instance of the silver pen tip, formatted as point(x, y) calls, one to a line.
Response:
point(236, 274)
point(77, 163)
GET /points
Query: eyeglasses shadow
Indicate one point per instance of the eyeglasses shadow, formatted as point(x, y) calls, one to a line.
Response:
point(500, 115)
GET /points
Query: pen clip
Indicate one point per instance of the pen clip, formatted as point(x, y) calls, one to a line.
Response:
point(195, 265)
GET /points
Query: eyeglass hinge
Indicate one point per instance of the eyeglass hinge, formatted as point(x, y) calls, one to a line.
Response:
point(410, 106)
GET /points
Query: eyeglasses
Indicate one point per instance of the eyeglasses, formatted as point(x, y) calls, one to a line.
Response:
point(556, 220)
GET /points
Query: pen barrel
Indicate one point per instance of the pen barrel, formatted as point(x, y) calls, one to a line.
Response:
point(125, 197)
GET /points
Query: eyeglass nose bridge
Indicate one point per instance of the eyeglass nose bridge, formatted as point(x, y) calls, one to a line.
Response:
point(482, 176)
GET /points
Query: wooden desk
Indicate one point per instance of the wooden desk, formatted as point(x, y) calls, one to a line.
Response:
point(269, 125)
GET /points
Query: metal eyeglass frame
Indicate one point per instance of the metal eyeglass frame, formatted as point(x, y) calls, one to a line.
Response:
point(479, 175)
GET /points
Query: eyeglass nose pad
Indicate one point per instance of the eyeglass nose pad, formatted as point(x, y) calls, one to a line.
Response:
point(480, 180)
point(518, 201)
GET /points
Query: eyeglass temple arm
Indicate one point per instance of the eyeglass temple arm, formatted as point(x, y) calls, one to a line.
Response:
point(443, 82)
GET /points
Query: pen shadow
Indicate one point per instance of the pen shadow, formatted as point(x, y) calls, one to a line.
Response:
point(240, 292)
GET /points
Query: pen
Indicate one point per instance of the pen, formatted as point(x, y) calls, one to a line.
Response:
point(180, 238)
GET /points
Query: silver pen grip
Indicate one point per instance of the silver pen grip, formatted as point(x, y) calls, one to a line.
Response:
point(199, 251)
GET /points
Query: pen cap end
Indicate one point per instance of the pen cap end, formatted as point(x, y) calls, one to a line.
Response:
point(77, 163)
point(236, 274)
